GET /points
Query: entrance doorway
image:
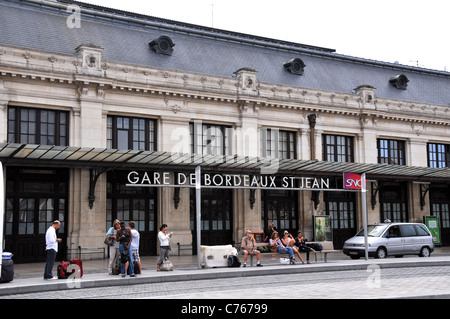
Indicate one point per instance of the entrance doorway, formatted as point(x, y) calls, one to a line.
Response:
point(440, 203)
point(280, 207)
point(136, 204)
point(34, 199)
point(341, 207)
point(393, 202)
point(217, 212)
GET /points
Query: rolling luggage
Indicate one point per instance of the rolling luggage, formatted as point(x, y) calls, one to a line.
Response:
point(116, 265)
point(79, 263)
point(136, 269)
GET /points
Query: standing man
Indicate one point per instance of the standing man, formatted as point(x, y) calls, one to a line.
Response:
point(51, 248)
point(248, 246)
point(135, 245)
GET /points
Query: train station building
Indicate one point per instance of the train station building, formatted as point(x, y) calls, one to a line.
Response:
point(98, 105)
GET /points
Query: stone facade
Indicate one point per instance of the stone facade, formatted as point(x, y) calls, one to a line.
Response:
point(91, 88)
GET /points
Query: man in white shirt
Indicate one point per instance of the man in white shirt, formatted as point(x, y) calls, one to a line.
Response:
point(51, 248)
point(135, 244)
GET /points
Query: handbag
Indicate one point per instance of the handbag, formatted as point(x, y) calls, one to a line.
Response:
point(124, 256)
point(109, 241)
point(166, 265)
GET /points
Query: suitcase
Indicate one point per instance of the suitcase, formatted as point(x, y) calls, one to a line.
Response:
point(7, 274)
point(116, 265)
point(79, 263)
point(136, 269)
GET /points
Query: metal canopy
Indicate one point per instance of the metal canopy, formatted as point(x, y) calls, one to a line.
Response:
point(86, 157)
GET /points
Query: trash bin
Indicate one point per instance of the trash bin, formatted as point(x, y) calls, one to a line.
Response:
point(7, 274)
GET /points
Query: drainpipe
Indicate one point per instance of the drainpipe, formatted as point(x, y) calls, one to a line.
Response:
point(312, 133)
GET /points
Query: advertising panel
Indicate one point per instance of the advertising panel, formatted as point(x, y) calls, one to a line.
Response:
point(434, 226)
point(322, 228)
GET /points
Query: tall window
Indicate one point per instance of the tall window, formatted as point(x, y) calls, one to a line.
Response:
point(438, 155)
point(131, 133)
point(277, 144)
point(37, 126)
point(210, 139)
point(391, 152)
point(337, 148)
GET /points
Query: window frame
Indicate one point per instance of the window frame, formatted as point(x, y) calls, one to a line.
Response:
point(147, 142)
point(347, 146)
point(438, 158)
point(286, 147)
point(203, 142)
point(22, 129)
point(395, 153)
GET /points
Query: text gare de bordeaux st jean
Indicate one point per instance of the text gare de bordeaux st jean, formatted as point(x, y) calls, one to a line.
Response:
point(226, 180)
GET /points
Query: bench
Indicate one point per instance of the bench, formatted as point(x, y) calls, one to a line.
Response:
point(184, 247)
point(328, 248)
point(264, 248)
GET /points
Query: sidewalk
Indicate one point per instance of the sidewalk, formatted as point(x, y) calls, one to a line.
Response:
point(28, 278)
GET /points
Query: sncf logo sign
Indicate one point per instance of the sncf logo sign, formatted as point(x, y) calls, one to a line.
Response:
point(352, 181)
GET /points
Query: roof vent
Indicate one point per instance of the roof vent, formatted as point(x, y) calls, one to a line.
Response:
point(162, 45)
point(295, 66)
point(399, 81)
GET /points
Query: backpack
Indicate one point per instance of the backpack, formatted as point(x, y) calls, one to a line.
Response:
point(315, 246)
point(233, 261)
point(62, 270)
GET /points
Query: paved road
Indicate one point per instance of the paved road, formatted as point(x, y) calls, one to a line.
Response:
point(372, 283)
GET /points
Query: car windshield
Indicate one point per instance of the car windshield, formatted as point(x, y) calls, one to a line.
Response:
point(373, 230)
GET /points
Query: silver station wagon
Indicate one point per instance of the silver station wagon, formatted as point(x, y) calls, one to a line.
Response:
point(391, 239)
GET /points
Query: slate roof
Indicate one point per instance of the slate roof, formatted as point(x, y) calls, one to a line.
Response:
point(125, 39)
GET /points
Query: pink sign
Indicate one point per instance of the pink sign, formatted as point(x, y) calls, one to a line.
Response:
point(352, 181)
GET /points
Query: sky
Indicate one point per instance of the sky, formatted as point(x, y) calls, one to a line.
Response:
point(410, 32)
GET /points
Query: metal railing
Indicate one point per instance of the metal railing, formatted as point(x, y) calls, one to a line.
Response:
point(86, 253)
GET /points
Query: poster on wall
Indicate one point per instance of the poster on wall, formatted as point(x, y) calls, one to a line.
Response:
point(434, 226)
point(322, 228)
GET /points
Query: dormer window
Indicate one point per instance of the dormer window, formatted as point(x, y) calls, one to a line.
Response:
point(295, 66)
point(162, 45)
point(399, 81)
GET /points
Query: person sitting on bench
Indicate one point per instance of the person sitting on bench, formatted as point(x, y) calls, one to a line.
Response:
point(301, 245)
point(275, 242)
point(289, 241)
point(248, 246)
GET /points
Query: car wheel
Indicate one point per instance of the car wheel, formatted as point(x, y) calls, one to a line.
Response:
point(381, 253)
point(354, 257)
point(425, 252)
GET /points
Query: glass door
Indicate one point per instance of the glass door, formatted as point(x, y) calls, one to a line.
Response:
point(34, 199)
